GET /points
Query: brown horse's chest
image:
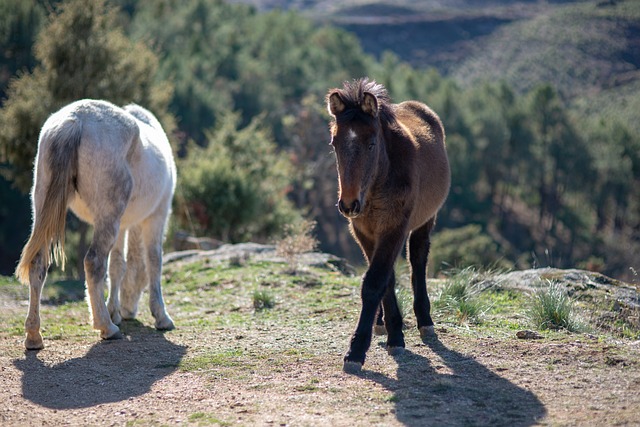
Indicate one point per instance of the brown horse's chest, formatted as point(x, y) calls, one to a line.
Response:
point(380, 216)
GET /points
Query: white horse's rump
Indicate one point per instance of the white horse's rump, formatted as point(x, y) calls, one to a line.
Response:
point(114, 169)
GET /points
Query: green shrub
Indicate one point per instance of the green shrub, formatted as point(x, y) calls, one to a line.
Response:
point(463, 247)
point(235, 189)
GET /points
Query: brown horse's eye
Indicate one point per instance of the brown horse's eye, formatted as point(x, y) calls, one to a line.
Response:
point(371, 145)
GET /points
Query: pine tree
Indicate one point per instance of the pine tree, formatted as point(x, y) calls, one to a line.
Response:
point(81, 53)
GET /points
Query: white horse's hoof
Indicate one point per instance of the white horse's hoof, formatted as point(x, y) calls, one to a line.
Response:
point(352, 367)
point(427, 332)
point(165, 324)
point(128, 314)
point(112, 333)
point(117, 336)
point(379, 330)
point(34, 342)
point(116, 318)
point(395, 351)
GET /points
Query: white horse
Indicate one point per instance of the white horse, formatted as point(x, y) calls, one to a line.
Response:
point(114, 168)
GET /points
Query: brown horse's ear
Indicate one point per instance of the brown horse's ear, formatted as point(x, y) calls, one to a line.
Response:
point(335, 104)
point(370, 104)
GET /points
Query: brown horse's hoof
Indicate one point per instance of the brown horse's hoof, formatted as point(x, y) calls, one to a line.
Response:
point(352, 367)
point(427, 332)
point(395, 351)
point(379, 330)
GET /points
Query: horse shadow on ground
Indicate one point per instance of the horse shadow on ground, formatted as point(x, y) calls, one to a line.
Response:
point(455, 390)
point(111, 371)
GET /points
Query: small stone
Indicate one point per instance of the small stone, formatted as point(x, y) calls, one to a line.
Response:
point(528, 335)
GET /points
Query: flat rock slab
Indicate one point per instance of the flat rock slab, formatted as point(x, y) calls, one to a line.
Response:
point(256, 251)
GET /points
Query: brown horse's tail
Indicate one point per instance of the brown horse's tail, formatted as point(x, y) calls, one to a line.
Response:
point(61, 156)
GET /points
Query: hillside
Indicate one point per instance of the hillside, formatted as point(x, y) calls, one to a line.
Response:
point(256, 344)
point(424, 34)
point(589, 50)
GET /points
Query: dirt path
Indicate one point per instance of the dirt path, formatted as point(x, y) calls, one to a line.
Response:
point(227, 365)
point(454, 380)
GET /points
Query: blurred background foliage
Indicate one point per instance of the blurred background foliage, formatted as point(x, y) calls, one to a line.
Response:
point(539, 104)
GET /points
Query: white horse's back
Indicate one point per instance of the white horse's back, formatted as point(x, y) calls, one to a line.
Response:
point(114, 169)
point(130, 145)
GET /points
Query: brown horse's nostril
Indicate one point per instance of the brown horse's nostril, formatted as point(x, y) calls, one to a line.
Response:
point(350, 211)
point(355, 207)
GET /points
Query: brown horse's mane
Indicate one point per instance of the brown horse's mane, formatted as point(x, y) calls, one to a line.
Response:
point(352, 95)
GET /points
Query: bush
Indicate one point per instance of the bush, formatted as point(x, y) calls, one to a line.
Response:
point(463, 247)
point(298, 240)
point(235, 189)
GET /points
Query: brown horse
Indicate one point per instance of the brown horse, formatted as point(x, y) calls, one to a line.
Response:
point(393, 175)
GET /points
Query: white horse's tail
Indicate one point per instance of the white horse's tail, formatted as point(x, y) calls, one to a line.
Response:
point(61, 144)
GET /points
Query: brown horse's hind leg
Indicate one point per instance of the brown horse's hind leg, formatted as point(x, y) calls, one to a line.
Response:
point(378, 328)
point(418, 254)
point(392, 318)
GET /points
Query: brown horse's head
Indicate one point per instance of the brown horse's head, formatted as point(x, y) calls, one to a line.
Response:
point(357, 140)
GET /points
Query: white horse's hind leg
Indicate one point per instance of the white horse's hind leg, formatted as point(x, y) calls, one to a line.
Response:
point(95, 265)
point(135, 279)
point(152, 233)
point(37, 275)
point(117, 268)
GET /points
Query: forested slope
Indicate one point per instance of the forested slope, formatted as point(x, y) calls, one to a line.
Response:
point(541, 174)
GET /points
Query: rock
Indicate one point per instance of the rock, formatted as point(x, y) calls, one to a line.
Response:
point(183, 241)
point(578, 283)
point(246, 251)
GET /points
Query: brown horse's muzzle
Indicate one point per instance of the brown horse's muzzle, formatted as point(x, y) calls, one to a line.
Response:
point(350, 209)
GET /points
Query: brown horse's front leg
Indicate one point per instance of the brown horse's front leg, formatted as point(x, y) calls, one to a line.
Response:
point(373, 288)
point(374, 285)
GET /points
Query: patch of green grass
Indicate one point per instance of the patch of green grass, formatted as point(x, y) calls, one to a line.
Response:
point(551, 308)
point(460, 296)
point(503, 301)
point(310, 387)
point(203, 362)
point(626, 330)
point(404, 297)
point(10, 287)
point(62, 291)
point(205, 419)
point(263, 299)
